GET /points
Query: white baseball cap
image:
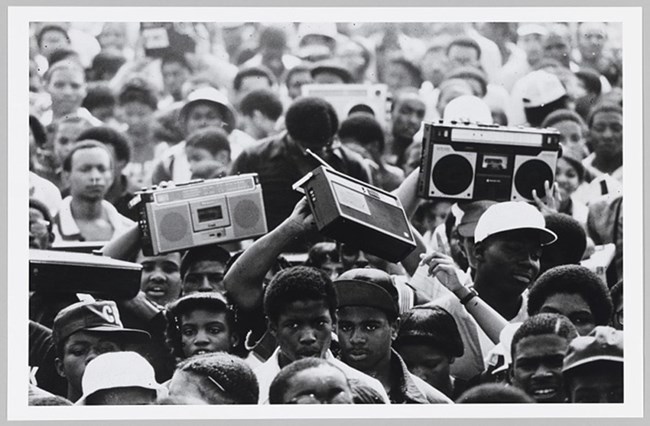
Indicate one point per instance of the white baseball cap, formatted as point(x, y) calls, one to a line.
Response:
point(118, 370)
point(512, 216)
point(540, 88)
point(468, 108)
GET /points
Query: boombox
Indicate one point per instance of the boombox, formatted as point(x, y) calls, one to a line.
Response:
point(358, 214)
point(486, 162)
point(200, 212)
point(68, 272)
point(344, 97)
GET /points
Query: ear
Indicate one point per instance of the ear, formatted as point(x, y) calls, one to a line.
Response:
point(234, 339)
point(50, 237)
point(272, 327)
point(65, 177)
point(394, 329)
point(479, 250)
point(59, 367)
point(223, 157)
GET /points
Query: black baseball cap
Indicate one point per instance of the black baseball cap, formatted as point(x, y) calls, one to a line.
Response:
point(367, 287)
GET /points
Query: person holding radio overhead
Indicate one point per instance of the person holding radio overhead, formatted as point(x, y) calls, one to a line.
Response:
point(281, 160)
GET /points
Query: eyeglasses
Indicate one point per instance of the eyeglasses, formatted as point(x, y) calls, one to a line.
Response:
point(39, 227)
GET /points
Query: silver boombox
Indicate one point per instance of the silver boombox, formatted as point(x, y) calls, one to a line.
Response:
point(463, 161)
point(200, 212)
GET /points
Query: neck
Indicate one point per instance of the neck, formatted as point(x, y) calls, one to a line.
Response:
point(505, 303)
point(381, 371)
point(73, 395)
point(88, 210)
point(58, 113)
point(607, 164)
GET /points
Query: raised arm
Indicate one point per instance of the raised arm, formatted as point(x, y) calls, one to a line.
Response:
point(445, 270)
point(244, 280)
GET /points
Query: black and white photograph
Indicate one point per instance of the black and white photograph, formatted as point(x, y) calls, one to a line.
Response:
point(287, 209)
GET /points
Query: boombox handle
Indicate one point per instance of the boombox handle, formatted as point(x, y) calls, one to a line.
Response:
point(298, 185)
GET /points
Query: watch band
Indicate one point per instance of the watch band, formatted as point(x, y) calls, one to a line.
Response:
point(472, 294)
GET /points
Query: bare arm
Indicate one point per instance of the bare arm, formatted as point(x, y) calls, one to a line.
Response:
point(443, 267)
point(244, 280)
point(126, 246)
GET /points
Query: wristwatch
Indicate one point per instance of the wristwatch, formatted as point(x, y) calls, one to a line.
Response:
point(472, 294)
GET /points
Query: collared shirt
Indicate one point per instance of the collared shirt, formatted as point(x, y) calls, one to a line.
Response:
point(280, 162)
point(407, 388)
point(266, 373)
point(66, 228)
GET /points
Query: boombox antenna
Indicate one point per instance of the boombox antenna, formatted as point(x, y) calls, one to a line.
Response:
point(320, 160)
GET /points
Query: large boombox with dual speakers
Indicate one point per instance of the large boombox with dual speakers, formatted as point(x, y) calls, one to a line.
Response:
point(462, 161)
point(200, 212)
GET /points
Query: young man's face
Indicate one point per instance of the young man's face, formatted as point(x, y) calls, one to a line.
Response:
point(137, 116)
point(407, 116)
point(397, 76)
point(592, 37)
point(113, 36)
point(365, 336)
point(161, 277)
point(463, 56)
point(204, 164)
point(303, 329)
point(601, 382)
point(204, 275)
point(91, 174)
point(67, 87)
point(537, 367)
point(558, 48)
point(297, 80)
point(533, 45)
point(320, 385)
point(203, 115)
point(434, 66)
point(572, 306)
point(174, 76)
point(510, 259)
point(79, 349)
point(606, 134)
point(205, 331)
point(39, 234)
point(428, 363)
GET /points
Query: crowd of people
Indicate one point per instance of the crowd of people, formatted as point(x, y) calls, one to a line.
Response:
point(500, 302)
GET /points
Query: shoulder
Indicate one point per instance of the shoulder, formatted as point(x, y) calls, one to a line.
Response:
point(433, 395)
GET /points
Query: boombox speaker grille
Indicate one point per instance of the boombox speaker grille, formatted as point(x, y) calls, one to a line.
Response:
point(531, 175)
point(452, 174)
point(246, 214)
point(173, 226)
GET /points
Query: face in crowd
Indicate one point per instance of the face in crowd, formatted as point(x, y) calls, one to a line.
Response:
point(91, 174)
point(161, 277)
point(572, 306)
point(365, 336)
point(206, 330)
point(204, 275)
point(537, 367)
point(67, 88)
point(202, 115)
point(319, 385)
point(606, 134)
point(66, 137)
point(303, 329)
point(78, 350)
point(408, 114)
point(510, 259)
point(567, 178)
